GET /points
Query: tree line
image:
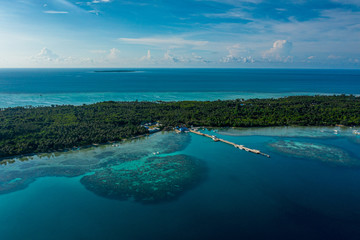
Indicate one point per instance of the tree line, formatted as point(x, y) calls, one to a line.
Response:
point(25, 130)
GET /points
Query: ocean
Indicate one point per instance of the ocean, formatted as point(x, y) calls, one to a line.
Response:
point(184, 186)
point(21, 87)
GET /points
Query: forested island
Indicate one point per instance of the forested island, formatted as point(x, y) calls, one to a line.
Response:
point(26, 130)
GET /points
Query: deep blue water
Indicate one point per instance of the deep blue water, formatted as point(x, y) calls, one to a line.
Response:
point(179, 80)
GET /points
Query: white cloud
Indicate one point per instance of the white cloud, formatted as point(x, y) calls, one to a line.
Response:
point(338, 59)
point(92, 3)
point(164, 42)
point(55, 12)
point(180, 58)
point(334, 57)
point(113, 55)
point(96, 12)
point(354, 60)
point(233, 13)
point(67, 5)
point(101, 1)
point(336, 31)
point(280, 52)
point(46, 55)
point(237, 54)
point(147, 57)
point(198, 58)
point(234, 59)
point(332, 25)
point(310, 59)
point(173, 59)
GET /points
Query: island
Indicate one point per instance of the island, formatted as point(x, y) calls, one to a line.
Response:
point(31, 130)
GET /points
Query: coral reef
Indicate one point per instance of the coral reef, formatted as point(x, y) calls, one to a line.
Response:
point(78, 162)
point(320, 152)
point(147, 180)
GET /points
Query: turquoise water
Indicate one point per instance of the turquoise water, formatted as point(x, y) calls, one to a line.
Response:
point(286, 197)
point(21, 87)
point(308, 189)
point(48, 99)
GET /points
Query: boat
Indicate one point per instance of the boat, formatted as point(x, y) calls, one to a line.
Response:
point(214, 138)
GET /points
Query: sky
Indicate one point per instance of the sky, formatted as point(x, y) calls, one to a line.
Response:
point(180, 33)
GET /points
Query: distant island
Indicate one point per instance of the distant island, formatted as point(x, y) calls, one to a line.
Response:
point(27, 130)
point(115, 71)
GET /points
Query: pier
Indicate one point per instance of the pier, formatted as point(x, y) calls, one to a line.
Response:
point(241, 147)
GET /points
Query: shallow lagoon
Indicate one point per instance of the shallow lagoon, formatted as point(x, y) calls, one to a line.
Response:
point(285, 197)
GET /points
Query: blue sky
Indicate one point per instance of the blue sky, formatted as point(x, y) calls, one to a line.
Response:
point(186, 33)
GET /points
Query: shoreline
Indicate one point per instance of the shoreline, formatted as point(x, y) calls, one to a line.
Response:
point(12, 159)
point(31, 130)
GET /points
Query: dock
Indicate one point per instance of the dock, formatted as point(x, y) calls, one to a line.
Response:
point(241, 147)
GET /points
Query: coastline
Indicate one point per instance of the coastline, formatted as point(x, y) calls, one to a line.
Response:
point(11, 159)
point(247, 131)
point(33, 130)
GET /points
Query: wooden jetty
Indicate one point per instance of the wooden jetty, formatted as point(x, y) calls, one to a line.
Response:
point(241, 147)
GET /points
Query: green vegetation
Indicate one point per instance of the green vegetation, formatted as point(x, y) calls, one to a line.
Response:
point(25, 130)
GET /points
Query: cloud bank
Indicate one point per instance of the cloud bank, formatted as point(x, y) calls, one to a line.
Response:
point(164, 42)
point(280, 52)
